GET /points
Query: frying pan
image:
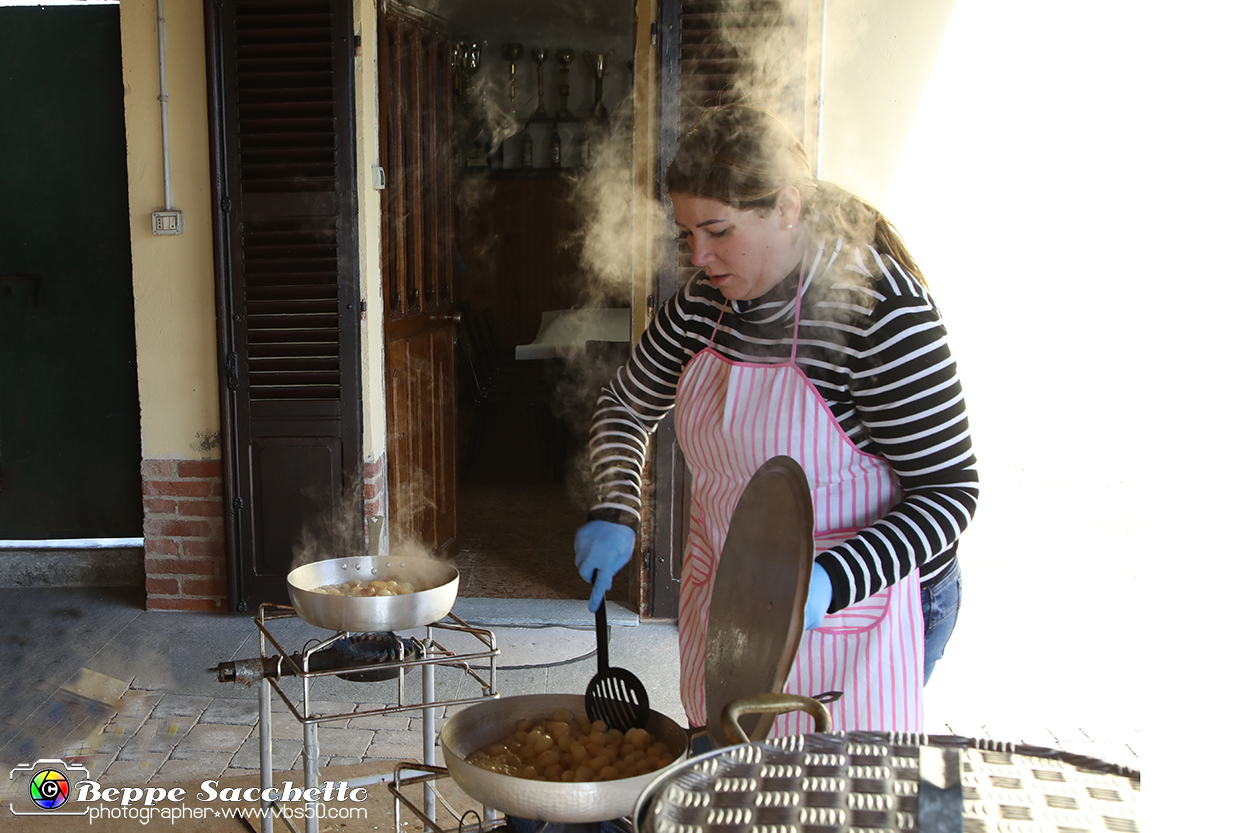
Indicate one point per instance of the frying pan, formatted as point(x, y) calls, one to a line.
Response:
point(485, 723)
point(436, 582)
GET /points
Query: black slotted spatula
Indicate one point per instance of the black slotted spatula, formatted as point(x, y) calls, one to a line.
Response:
point(614, 695)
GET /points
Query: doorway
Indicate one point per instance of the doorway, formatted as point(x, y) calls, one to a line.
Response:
point(535, 89)
point(526, 403)
point(69, 399)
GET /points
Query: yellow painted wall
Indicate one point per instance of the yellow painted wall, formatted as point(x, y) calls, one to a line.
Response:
point(175, 319)
point(1069, 186)
point(373, 376)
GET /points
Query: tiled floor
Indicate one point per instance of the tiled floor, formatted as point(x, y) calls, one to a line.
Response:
point(176, 723)
point(167, 738)
point(516, 521)
point(516, 541)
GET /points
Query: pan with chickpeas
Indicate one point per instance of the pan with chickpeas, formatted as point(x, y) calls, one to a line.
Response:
point(567, 748)
point(540, 757)
point(362, 589)
point(373, 593)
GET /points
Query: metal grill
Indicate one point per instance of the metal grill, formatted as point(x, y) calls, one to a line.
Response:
point(876, 781)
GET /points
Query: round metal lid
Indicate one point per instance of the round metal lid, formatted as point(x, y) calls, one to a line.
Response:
point(755, 617)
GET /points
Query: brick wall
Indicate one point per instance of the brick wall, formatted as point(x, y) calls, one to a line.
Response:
point(184, 535)
point(375, 488)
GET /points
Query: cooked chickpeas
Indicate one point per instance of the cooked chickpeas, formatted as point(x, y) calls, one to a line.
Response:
point(566, 748)
point(357, 588)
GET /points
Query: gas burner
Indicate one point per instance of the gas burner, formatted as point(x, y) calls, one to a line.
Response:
point(349, 651)
point(356, 650)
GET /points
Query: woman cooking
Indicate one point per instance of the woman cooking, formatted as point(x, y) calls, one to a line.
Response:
point(810, 332)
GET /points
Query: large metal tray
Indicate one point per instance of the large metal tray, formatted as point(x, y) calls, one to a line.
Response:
point(856, 782)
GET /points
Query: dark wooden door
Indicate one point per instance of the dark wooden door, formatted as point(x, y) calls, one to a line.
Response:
point(281, 100)
point(414, 58)
point(69, 400)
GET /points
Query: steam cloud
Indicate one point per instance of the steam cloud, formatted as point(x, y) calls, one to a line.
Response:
point(339, 531)
point(607, 198)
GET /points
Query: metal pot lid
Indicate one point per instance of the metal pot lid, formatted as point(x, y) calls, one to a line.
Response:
point(755, 616)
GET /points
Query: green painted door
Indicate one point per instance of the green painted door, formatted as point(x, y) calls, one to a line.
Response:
point(69, 404)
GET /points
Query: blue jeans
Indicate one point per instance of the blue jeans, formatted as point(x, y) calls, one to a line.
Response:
point(939, 605)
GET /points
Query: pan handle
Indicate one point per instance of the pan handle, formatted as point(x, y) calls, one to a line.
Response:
point(775, 704)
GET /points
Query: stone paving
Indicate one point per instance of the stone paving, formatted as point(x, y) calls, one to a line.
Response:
point(168, 737)
point(158, 737)
point(176, 723)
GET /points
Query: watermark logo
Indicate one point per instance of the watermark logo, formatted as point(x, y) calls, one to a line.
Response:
point(50, 786)
point(52, 783)
point(49, 789)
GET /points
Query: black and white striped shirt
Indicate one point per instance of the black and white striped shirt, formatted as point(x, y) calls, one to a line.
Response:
point(873, 344)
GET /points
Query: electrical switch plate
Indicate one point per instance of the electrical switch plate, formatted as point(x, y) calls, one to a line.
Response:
point(167, 222)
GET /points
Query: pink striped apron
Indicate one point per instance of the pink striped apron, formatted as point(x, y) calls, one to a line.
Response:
point(731, 418)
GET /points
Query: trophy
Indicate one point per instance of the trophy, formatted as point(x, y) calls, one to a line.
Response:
point(598, 65)
point(566, 57)
point(457, 71)
point(540, 55)
point(470, 63)
point(512, 53)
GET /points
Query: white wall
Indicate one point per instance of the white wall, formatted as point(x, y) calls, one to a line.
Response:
point(1071, 186)
point(875, 65)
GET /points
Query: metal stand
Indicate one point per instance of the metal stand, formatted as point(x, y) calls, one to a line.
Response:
point(433, 653)
point(427, 775)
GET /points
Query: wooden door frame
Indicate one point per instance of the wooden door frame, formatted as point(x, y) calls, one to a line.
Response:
point(658, 46)
point(671, 494)
point(418, 316)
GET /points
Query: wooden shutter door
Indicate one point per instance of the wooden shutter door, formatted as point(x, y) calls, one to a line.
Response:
point(281, 80)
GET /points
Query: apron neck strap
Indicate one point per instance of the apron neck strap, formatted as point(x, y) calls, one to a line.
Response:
point(798, 308)
point(798, 299)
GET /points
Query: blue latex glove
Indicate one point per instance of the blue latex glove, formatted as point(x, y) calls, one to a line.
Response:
point(602, 547)
point(819, 597)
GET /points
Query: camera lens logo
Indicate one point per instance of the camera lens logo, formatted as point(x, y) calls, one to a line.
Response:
point(49, 789)
point(49, 781)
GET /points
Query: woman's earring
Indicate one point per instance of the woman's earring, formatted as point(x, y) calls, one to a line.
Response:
point(790, 226)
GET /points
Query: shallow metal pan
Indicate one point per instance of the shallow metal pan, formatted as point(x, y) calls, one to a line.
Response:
point(485, 723)
point(440, 582)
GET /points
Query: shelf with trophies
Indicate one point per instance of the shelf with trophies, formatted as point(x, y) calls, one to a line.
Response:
point(500, 135)
point(530, 120)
